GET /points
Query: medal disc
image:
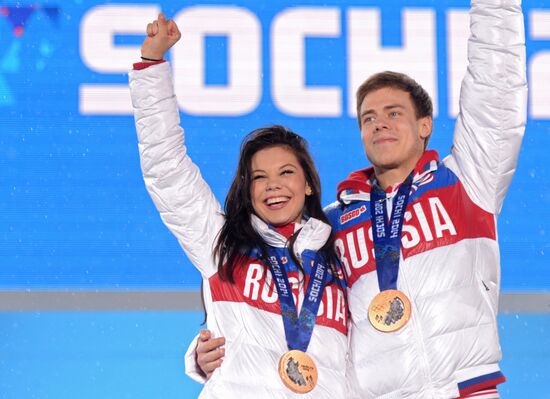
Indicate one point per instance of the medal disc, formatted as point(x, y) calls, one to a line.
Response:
point(298, 371)
point(389, 310)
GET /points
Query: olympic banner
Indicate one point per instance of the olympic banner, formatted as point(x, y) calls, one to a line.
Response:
point(75, 214)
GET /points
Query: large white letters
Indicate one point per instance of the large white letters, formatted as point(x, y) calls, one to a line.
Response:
point(253, 281)
point(417, 58)
point(341, 252)
point(539, 66)
point(457, 55)
point(358, 259)
point(97, 50)
point(285, 53)
point(410, 236)
point(442, 220)
point(290, 93)
point(243, 91)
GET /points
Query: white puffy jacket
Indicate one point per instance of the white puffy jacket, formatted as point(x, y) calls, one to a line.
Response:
point(450, 265)
point(247, 314)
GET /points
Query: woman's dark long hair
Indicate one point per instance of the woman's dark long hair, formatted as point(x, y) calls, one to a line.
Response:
point(237, 236)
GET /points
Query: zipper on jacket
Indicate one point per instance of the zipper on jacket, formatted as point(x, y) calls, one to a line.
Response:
point(417, 331)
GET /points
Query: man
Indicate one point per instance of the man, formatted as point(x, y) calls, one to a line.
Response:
point(417, 236)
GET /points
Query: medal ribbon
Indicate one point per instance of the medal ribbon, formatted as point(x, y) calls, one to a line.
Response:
point(387, 236)
point(299, 328)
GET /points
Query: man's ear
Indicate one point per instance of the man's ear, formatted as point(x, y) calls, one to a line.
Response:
point(425, 126)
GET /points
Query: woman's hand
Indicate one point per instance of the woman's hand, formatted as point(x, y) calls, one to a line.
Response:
point(161, 35)
point(209, 352)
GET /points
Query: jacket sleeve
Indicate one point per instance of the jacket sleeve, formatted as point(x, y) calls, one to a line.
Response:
point(186, 203)
point(493, 103)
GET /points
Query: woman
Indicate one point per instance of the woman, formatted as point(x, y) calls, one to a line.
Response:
point(271, 285)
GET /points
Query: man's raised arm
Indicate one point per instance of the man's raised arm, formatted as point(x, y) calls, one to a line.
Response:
point(493, 102)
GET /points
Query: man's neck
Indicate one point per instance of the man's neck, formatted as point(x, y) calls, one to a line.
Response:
point(391, 176)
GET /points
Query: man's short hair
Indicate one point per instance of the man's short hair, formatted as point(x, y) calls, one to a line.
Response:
point(420, 98)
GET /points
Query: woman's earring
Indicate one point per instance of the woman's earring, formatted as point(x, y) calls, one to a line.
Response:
point(308, 190)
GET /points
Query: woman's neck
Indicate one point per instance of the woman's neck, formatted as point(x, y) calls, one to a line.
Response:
point(286, 230)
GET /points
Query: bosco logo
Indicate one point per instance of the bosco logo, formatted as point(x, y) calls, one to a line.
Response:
point(346, 217)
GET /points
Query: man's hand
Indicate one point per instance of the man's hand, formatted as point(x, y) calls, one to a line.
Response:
point(161, 35)
point(209, 353)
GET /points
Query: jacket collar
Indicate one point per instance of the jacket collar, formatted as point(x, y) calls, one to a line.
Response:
point(312, 235)
point(359, 183)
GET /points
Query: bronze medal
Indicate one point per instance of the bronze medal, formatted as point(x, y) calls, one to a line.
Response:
point(298, 371)
point(389, 311)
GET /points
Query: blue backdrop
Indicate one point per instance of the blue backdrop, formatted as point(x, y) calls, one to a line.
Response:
point(74, 209)
point(74, 213)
